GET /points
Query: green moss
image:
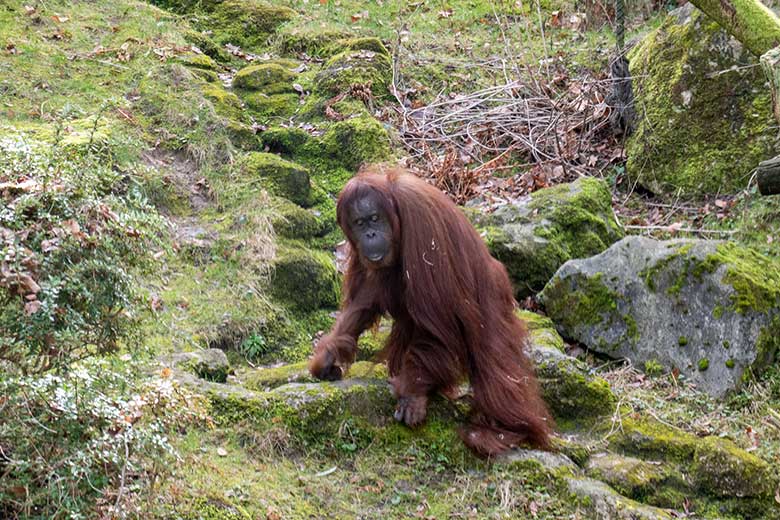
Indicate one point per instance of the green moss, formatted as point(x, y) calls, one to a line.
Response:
point(653, 367)
point(356, 141)
point(284, 140)
point(356, 44)
point(754, 277)
point(292, 221)
point(355, 68)
point(206, 45)
point(726, 118)
point(703, 364)
point(568, 221)
point(270, 78)
point(306, 280)
point(265, 107)
point(264, 379)
point(726, 344)
point(581, 214)
point(225, 103)
point(729, 363)
point(199, 61)
point(205, 509)
point(242, 135)
point(682, 341)
point(279, 177)
point(367, 370)
point(722, 469)
point(312, 43)
point(631, 477)
point(247, 23)
point(590, 303)
point(648, 437)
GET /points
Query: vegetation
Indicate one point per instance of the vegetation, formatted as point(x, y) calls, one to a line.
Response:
point(168, 177)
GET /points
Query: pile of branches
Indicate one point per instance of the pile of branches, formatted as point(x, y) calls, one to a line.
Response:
point(511, 139)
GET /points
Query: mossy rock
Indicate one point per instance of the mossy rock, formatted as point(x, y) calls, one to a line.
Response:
point(650, 438)
point(306, 280)
point(270, 78)
point(535, 236)
point(292, 221)
point(199, 61)
point(698, 130)
point(225, 103)
point(264, 379)
point(280, 177)
point(209, 76)
point(242, 136)
point(356, 44)
point(209, 364)
point(284, 140)
point(356, 141)
point(312, 43)
point(247, 23)
point(575, 396)
point(603, 502)
point(265, 107)
point(721, 469)
point(708, 310)
point(634, 478)
point(359, 67)
point(206, 45)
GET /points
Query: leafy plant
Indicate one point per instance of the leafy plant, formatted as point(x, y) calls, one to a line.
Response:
point(71, 227)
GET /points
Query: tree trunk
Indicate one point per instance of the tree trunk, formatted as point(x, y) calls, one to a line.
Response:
point(768, 176)
point(749, 21)
point(770, 62)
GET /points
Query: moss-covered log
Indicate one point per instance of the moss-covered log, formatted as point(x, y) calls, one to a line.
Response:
point(768, 176)
point(749, 21)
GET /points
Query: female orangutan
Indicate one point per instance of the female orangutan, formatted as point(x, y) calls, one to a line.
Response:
point(417, 258)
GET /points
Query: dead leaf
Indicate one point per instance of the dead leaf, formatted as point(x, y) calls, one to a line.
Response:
point(222, 452)
point(356, 17)
point(29, 10)
point(165, 373)
point(32, 307)
point(673, 228)
point(59, 18)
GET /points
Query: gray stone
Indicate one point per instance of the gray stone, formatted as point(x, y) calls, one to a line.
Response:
point(534, 236)
point(704, 112)
point(708, 309)
point(210, 364)
point(605, 503)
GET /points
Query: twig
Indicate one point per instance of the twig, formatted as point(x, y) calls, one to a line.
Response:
point(683, 230)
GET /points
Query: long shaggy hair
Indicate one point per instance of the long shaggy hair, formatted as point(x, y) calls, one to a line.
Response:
point(453, 309)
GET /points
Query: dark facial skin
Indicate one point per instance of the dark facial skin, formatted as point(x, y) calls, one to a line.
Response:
point(371, 228)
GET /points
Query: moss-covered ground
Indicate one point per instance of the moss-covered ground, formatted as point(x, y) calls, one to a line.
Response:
point(244, 241)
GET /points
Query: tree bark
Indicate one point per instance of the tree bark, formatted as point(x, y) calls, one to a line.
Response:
point(770, 62)
point(749, 21)
point(768, 176)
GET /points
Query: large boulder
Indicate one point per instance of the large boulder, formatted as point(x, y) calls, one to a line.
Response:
point(708, 309)
point(704, 112)
point(536, 235)
point(279, 176)
point(306, 280)
point(574, 394)
point(356, 67)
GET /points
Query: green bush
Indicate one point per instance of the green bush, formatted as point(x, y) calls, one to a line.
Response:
point(71, 227)
point(84, 444)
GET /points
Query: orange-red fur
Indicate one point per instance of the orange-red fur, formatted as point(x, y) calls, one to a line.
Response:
point(453, 310)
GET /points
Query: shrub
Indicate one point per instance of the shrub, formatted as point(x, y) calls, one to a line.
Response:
point(71, 227)
point(84, 443)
